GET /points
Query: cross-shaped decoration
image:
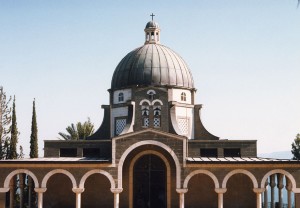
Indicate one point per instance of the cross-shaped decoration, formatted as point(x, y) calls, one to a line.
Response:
point(152, 15)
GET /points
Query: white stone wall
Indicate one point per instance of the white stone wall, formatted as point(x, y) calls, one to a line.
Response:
point(127, 95)
point(175, 95)
point(185, 118)
point(117, 112)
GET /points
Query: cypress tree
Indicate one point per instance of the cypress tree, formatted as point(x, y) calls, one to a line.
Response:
point(5, 120)
point(14, 134)
point(296, 148)
point(34, 135)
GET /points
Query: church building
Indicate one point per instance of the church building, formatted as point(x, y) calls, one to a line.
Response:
point(151, 151)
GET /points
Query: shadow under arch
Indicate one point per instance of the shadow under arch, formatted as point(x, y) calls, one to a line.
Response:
point(155, 143)
point(53, 172)
point(242, 171)
point(99, 171)
point(206, 172)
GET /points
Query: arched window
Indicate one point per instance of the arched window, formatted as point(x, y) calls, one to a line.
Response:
point(151, 94)
point(145, 116)
point(157, 116)
point(183, 96)
point(121, 97)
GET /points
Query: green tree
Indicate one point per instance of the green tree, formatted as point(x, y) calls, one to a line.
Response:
point(296, 148)
point(80, 131)
point(13, 154)
point(5, 119)
point(34, 150)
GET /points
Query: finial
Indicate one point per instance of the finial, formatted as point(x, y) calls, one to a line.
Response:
point(152, 15)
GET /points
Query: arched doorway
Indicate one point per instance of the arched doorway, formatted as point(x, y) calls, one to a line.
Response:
point(149, 182)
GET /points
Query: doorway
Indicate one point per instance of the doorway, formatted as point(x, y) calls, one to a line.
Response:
point(149, 182)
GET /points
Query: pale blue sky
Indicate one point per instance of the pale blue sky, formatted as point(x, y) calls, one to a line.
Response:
point(244, 56)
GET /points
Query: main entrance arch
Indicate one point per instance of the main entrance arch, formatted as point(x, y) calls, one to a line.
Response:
point(149, 182)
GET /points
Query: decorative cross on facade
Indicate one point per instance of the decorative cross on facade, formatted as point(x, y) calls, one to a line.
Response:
point(152, 15)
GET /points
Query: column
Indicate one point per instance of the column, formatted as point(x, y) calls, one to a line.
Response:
point(289, 191)
point(21, 184)
point(40, 192)
point(29, 191)
point(266, 194)
point(280, 187)
point(116, 192)
point(181, 193)
point(78, 192)
point(11, 192)
point(258, 192)
point(220, 192)
point(3, 192)
point(272, 184)
point(297, 200)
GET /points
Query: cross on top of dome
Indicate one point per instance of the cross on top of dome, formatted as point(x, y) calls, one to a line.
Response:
point(152, 15)
point(152, 32)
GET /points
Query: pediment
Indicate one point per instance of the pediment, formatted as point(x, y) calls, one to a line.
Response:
point(149, 132)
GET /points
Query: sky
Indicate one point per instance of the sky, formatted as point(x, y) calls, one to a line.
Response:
point(244, 57)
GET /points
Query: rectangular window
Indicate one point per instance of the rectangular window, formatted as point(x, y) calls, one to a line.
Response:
point(232, 152)
point(210, 152)
point(91, 152)
point(68, 152)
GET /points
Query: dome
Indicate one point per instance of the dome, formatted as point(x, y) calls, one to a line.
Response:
point(152, 65)
point(152, 24)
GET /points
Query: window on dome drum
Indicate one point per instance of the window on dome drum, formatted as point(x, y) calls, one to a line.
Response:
point(232, 152)
point(68, 152)
point(183, 96)
point(152, 35)
point(121, 97)
point(91, 152)
point(210, 152)
point(157, 116)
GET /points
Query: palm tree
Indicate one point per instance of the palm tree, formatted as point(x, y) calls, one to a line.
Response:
point(80, 131)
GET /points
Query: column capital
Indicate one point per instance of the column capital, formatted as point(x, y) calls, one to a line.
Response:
point(116, 190)
point(220, 190)
point(181, 191)
point(78, 190)
point(4, 190)
point(258, 190)
point(40, 190)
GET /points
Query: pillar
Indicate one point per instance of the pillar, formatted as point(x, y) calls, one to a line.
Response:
point(29, 191)
point(272, 184)
point(289, 191)
point(21, 184)
point(220, 192)
point(258, 192)
point(297, 200)
point(266, 194)
point(3, 192)
point(116, 192)
point(78, 192)
point(181, 193)
point(280, 187)
point(11, 192)
point(40, 192)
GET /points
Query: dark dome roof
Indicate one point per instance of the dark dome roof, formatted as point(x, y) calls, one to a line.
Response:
point(152, 24)
point(152, 64)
